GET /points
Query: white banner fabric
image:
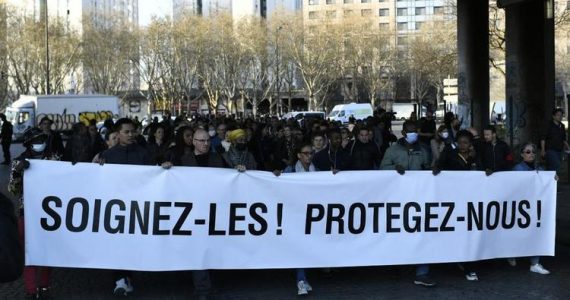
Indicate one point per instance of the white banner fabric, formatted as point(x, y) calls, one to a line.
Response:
point(150, 219)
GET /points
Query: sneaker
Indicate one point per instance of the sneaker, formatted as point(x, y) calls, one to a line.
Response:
point(471, 276)
point(512, 262)
point(123, 287)
point(424, 280)
point(302, 288)
point(44, 294)
point(308, 287)
point(538, 268)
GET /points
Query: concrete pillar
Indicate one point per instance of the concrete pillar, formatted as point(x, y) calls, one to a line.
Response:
point(473, 52)
point(530, 68)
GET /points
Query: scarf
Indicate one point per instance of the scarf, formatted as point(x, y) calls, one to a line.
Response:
point(238, 157)
point(300, 169)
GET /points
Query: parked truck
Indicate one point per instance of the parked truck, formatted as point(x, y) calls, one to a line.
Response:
point(63, 110)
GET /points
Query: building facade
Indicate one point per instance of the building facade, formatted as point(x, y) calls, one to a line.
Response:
point(74, 13)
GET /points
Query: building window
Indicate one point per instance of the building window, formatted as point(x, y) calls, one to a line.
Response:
point(381, 1)
point(420, 11)
point(331, 1)
point(331, 14)
point(347, 12)
point(402, 12)
point(313, 15)
point(384, 12)
point(438, 10)
point(402, 41)
point(313, 2)
point(419, 25)
point(365, 1)
point(366, 12)
point(348, 1)
point(384, 26)
point(402, 25)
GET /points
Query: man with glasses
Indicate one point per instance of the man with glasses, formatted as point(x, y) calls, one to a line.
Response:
point(202, 156)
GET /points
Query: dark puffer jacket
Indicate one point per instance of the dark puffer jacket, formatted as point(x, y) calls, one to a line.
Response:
point(11, 252)
point(132, 154)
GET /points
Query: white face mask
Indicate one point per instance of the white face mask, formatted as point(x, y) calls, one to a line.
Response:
point(212, 133)
point(411, 137)
point(39, 147)
point(444, 135)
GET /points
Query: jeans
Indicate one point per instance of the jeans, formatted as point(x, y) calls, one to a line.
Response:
point(422, 270)
point(6, 150)
point(34, 277)
point(202, 283)
point(301, 276)
point(553, 160)
point(534, 260)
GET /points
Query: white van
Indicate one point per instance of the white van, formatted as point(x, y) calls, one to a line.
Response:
point(63, 110)
point(342, 112)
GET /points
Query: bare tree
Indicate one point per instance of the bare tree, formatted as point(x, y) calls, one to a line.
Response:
point(109, 45)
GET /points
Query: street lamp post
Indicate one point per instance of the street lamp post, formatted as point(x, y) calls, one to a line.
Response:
point(48, 91)
point(279, 104)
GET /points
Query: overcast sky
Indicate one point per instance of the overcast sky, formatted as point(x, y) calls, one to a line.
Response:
point(148, 8)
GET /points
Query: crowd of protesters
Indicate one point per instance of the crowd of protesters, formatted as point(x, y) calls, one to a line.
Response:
point(289, 146)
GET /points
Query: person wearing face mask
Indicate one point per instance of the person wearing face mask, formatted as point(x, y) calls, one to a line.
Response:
point(238, 156)
point(439, 143)
point(406, 154)
point(36, 279)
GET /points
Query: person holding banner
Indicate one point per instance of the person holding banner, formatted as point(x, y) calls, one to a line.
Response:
point(202, 156)
point(528, 163)
point(404, 155)
point(462, 158)
point(36, 279)
point(238, 156)
point(333, 157)
point(304, 155)
point(182, 145)
point(126, 152)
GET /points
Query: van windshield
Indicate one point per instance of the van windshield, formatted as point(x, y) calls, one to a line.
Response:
point(333, 113)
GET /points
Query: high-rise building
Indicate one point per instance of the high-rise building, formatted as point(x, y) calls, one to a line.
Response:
point(398, 17)
point(182, 7)
point(237, 8)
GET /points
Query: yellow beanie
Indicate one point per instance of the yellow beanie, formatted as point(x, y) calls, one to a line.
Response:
point(236, 134)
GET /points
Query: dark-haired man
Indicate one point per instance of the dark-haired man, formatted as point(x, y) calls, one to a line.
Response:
point(553, 141)
point(6, 137)
point(126, 152)
point(496, 154)
point(364, 153)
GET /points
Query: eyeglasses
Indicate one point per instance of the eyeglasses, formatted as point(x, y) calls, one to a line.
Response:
point(202, 141)
point(529, 152)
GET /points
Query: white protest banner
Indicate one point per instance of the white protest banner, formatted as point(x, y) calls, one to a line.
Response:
point(151, 219)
